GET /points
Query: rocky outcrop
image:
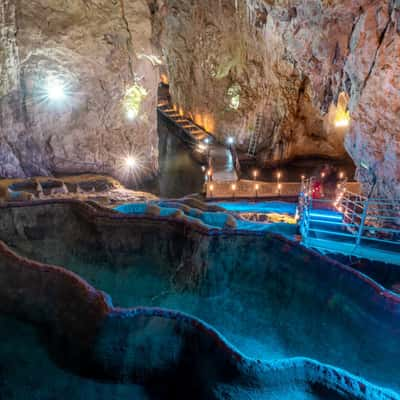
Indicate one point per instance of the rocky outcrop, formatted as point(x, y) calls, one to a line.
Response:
point(101, 55)
point(170, 351)
point(300, 64)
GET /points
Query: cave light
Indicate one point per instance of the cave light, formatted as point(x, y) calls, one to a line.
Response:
point(131, 114)
point(133, 99)
point(131, 162)
point(342, 115)
point(342, 123)
point(230, 140)
point(201, 147)
point(164, 79)
point(55, 89)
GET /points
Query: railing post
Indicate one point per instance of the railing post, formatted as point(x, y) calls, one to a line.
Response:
point(362, 222)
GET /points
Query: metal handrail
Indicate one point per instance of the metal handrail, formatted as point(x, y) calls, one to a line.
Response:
point(365, 222)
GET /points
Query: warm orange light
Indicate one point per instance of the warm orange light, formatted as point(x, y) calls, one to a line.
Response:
point(278, 175)
point(233, 187)
point(255, 173)
point(198, 119)
point(342, 116)
point(175, 107)
point(279, 186)
point(211, 187)
point(209, 123)
point(164, 79)
point(257, 186)
point(181, 112)
point(209, 172)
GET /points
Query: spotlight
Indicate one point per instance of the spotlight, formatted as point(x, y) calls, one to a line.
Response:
point(55, 89)
point(130, 162)
point(342, 123)
point(230, 140)
point(131, 114)
point(207, 140)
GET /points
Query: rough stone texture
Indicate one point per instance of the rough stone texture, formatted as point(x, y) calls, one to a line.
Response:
point(288, 60)
point(171, 351)
point(292, 59)
point(209, 48)
point(97, 49)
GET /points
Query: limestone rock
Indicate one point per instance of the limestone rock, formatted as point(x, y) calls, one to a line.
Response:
point(291, 61)
point(96, 51)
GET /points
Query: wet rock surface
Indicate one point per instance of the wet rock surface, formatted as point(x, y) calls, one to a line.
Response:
point(156, 347)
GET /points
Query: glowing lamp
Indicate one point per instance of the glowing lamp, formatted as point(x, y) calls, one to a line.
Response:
point(55, 90)
point(279, 186)
point(255, 173)
point(230, 140)
point(233, 187)
point(211, 187)
point(342, 123)
point(130, 162)
point(209, 172)
point(278, 175)
point(341, 175)
point(257, 186)
point(131, 114)
point(207, 140)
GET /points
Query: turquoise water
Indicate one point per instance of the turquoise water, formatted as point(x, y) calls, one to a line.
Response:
point(260, 320)
point(279, 207)
point(28, 373)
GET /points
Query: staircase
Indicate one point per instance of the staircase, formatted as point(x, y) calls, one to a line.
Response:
point(193, 131)
point(255, 135)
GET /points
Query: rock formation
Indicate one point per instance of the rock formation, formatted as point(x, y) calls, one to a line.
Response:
point(299, 63)
point(101, 55)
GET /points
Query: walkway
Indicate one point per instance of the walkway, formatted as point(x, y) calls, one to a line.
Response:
point(366, 229)
point(194, 133)
point(222, 164)
point(221, 160)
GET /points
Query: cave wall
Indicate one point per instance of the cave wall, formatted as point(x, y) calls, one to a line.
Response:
point(300, 63)
point(97, 50)
point(214, 48)
point(288, 60)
